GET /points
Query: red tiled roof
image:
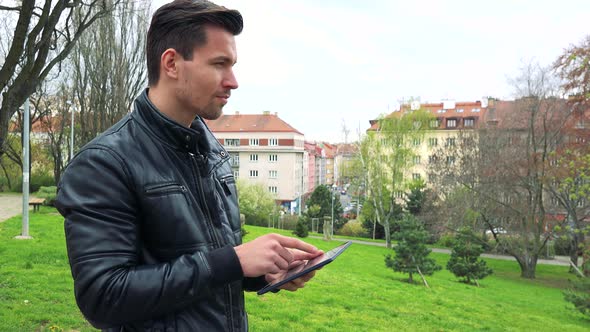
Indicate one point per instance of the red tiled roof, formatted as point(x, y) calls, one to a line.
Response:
point(250, 123)
point(461, 110)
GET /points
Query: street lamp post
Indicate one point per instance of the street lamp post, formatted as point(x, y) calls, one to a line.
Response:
point(332, 228)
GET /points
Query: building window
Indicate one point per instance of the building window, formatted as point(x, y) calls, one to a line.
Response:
point(273, 158)
point(432, 141)
point(234, 160)
point(398, 194)
point(451, 123)
point(553, 162)
point(253, 173)
point(450, 160)
point(417, 142)
point(450, 141)
point(253, 157)
point(580, 140)
point(273, 174)
point(554, 201)
point(416, 160)
point(581, 203)
point(254, 142)
point(432, 159)
point(273, 142)
point(273, 190)
point(580, 124)
point(441, 111)
point(475, 110)
point(434, 124)
point(416, 176)
point(459, 110)
point(469, 122)
point(236, 174)
point(232, 142)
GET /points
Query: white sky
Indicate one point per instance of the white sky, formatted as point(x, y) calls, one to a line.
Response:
point(321, 62)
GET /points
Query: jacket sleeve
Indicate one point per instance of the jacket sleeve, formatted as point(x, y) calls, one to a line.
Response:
point(111, 285)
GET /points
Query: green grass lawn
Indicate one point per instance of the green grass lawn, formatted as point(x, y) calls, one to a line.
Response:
point(355, 293)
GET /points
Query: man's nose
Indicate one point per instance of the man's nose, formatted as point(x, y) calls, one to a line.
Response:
point(230, 81)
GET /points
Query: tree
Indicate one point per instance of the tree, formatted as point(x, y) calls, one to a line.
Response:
point(255, 202)
point(302, 227)
point(503, 166)
point(568, 182)
point(43, 36)
point(573, 67)
point(386, 154)
point(465, 262)
point(55, 125)
point(109, 68)
point(411, 252)
point(416, 197)
point(324, 198)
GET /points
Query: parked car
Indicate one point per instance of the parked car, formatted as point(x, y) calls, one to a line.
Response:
point(498, 230)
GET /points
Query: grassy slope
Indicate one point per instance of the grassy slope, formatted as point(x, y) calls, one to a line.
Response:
point(355, 293)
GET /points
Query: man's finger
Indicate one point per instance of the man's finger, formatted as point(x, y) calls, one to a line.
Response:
point(290, 242)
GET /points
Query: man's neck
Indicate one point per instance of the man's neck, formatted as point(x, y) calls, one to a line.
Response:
point(168, 106)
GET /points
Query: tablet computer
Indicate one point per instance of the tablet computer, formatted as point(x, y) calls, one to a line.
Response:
point(310, 265)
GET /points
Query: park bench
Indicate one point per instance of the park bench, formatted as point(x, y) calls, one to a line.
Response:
point(36, 202)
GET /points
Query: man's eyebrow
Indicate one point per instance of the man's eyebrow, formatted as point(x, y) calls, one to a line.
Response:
point(224, 58)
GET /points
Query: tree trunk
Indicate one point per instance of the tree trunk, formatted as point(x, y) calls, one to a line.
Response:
point(574, 251)
point(528, 266)
point(411, 279)
point(387, 234)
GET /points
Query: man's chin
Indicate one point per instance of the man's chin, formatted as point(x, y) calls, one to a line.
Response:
point(213, 115)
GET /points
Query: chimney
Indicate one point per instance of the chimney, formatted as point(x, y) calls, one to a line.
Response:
point(266, 112)
point(237, 113)
point(276, 113)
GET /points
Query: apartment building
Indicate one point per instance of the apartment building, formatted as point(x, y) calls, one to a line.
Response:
point(267, 150)
point(448, 118)
point(329, 155)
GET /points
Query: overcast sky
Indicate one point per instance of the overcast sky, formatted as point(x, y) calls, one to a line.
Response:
point(318, 63)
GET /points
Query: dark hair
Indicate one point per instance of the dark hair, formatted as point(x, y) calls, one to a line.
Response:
point(181, 25)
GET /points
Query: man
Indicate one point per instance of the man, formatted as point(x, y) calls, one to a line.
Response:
point(151, 213)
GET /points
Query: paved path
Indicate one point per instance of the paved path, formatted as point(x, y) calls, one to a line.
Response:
point(10, 205)
point(558, 260)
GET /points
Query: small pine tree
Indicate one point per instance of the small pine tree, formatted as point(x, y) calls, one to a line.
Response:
point(302, 227)
point(465, 262)
point(411, 252)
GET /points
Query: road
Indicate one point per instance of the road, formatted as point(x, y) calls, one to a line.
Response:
point(558, 260)
point(10, 205)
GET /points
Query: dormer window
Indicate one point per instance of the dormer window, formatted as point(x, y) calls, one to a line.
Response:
point(434, 124)
point(451, 123)
point(468, 122)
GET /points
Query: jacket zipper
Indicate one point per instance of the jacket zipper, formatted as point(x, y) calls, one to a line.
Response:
point(165, 188)
point(215, 235)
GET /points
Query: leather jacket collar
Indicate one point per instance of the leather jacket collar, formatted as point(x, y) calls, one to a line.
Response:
point(197, 139)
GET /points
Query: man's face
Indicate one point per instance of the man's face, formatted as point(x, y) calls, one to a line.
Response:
point(206, 81)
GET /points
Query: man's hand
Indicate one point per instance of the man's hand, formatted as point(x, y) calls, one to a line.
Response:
point(294, 284)
point(270, 254)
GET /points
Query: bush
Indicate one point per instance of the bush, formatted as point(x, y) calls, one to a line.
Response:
point(37, 181)
point(302, 227)
point(49, 193)
point(446, 240)
point(353, 228)
point(579, 295)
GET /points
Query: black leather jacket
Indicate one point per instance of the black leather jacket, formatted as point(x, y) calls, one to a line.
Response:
point(151, 219)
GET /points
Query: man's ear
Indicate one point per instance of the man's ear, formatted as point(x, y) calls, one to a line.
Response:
point(169, 64)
